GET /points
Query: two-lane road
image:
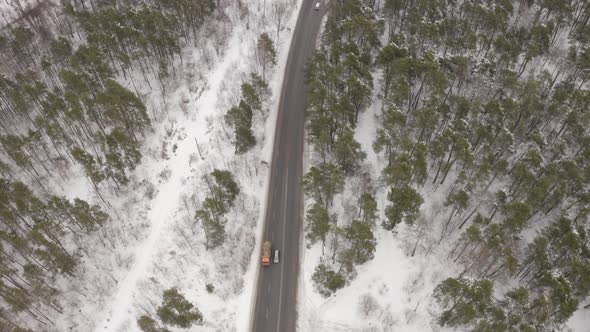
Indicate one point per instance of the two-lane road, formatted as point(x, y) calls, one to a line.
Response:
point(276, 292)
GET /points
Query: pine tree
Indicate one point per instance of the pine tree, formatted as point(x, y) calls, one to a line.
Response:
point(459, 201)
point(212, 222)
point(148, 324)
point(464, 301)
point(254, 92)
point(91, 166)
point(251, 96)
point(318, 224)
point(323, 182)
point(390, 136)
point(177, 310)
point(266, 53)
point(326, 281)
point(405, 205)
point(347, 152)
point(122, 107)
point(516, 216)
point(240, 117)
point(367, 208)
point(224, 188)
point(399, 172)
point(362, 246)
point(61, 50)
point(223, 191)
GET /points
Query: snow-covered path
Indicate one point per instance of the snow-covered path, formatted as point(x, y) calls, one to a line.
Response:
point(168, 198)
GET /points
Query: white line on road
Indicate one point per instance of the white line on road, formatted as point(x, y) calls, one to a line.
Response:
point(284, 251)
point(269, 288)
point(266, 313)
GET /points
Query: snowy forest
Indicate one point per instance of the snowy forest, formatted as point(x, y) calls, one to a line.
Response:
point(446, 181)
point(462, 128)
point(129, 130)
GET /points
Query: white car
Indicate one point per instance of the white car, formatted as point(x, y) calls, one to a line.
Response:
point(317, 6)
point(276, 256)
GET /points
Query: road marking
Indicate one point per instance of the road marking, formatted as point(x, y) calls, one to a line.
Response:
point(269, 287)
point(272, 236)
point(266, 313)
point(284, 251)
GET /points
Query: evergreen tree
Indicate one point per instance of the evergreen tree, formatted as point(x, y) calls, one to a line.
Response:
point(148, 324)
point(91, 166)
point(266, 53)
point(362, 247)
point(463, 301)
point(212, 223)
point(347, 152)
point(516, 216)
point(177, 310)
point(223, 191)
point(323, 182)
point(405, 205)
point(224, 188)
point(254, 92)
point(319, 223)
point(240, 117)
point(122, 107)
point(367, 208)
point(326, 281)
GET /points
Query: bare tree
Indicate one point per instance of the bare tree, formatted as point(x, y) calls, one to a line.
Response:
point(279, 11)
point(368, 305)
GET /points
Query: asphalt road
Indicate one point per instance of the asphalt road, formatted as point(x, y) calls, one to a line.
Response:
point(276, 293)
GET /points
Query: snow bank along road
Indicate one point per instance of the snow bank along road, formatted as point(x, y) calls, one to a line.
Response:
point(277, 284)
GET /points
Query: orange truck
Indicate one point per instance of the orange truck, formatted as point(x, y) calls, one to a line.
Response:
point(266, 253)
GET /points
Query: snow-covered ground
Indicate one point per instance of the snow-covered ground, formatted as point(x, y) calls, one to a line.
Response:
point(11, 10)
point(152, 242)
point(398, 287)
point(160, 244)
point(391, 292)
point(164, 259)
point(580, 321)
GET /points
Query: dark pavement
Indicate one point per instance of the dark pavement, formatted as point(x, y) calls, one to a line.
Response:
point(276, 293)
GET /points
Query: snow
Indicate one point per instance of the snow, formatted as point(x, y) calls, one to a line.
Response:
point(396, 281)
point(152, 242)
point(227, 312)
point(580, 321)
point(399, 282)
point(401, 285)
point(155, 245)
point(165, 204)
point(247, 299)
point(10, 9)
